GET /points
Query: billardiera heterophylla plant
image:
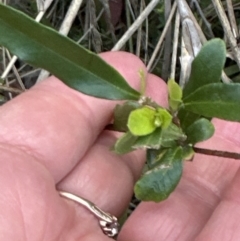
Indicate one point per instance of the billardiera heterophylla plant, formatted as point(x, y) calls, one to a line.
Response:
point(168, 134)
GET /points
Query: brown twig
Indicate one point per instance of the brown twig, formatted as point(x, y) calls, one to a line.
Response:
point(10, 89)
point(224, 154)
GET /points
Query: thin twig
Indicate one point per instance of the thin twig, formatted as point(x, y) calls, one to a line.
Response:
point(64, 29)
point(47, 3)
point(185, 12)
point(224, 154)
point(227, 29)
point(128, 20)
point(156, 50)
point(146, 41)
point(190, 32)
point(18, 77)
point(107, 10)
point(186, 61)
point(191, 23)
point(232, 18)
point(208, 25)
point(90, 28)
point(139, 33)
point(4, 65)
point(10, 89)
point(70, 16)
point(135, 25)
point(167, 43)
point(175, 46)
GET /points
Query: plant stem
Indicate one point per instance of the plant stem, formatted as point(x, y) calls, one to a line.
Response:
point(224, 154)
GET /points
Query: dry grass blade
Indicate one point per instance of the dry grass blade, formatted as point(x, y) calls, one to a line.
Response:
point(175, 46)
point(208, 25)
point(190, 33)
point(65, 28)
point(135, 25)
point(227, 29)
point(232, 18)
point(105, 4)
point(47, 3)
point(156, 50)
point(167, 43)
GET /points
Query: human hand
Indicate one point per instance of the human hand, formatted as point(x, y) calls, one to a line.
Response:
point(52, 136)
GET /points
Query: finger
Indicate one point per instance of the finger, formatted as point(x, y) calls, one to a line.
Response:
point(44, 204)
point(55, 124)
point(223, 224)
point(200, 190)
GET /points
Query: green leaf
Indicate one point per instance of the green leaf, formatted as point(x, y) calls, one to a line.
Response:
point(143, 82)
point(174, 90)
point(172, 134)
point(207, 66)
point(200, 130)
point(151, 141)
point(74, 65)
point(157, 183)
point(216, 100)
point(141, 122)
point(160, 137)
point(186, 118)
point(175, 94)
point(121, 114)
point(124, 144)
point(163, 118)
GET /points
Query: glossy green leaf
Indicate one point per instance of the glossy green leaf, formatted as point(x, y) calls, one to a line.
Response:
point(171, 134)
point(157, 183)
point(151, 141)
point(141, 122)
point(216, 100)
point(201, 130)
point(207, 66)
point(163, 117)
point(124, 144)
point(174, 90)
point(186, 118)
point(121, 114)
point(160, 137)
point(75, 66)
point(174, 94)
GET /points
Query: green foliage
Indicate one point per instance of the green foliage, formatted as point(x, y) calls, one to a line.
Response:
point(163, 118)
point(175, 94)
point(141, 122)
point(207, 66)
point(75, 66)
point(156, 184)
point(168, 134)
point(215, 100)
point(151, 141)
point(201, 130)
point(186, 118)
point(170, 138)
point(121, 114)
point(125, 143)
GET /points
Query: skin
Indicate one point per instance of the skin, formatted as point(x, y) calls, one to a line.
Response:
point(52, 137)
